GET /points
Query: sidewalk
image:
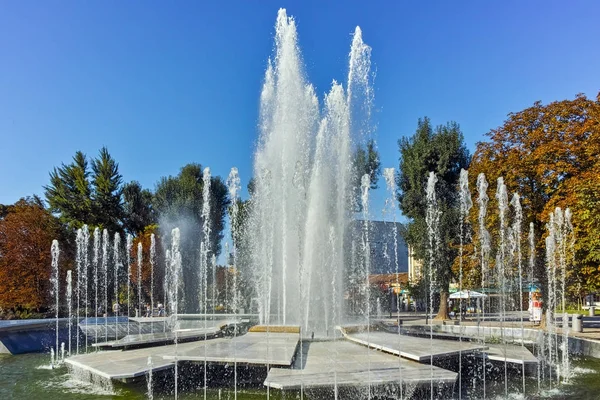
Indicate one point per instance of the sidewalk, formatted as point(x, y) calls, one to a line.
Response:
point(591, 327)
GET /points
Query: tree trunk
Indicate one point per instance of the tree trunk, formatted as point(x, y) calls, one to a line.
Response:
point(443, 310)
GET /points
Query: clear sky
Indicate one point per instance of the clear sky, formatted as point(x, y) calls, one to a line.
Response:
point(162, 84)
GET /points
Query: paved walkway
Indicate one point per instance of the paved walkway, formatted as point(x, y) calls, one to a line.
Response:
point(256, 348)
point(415, 348)
point(591, 325)
point(123, 365)
point(344, 363)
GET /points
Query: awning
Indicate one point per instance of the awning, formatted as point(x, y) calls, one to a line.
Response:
point(466, 294)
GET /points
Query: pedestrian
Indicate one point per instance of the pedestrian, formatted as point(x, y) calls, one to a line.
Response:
point(116, 308)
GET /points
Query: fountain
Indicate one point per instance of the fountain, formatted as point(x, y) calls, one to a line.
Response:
point(118, 266)
point(69, 297)
point(140, 255)
point(96, 261)
point(305, 262)
point(55, 251)
point(105, 246)
point(129, 247)
point(291, 221)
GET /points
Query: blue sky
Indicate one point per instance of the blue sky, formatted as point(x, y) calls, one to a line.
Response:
point(162, 84)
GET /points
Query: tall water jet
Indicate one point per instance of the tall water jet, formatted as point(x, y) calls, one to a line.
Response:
point(390, 182)
point(365, 185)
point(140, 255)
point(550, 309)
point(86, 268)
point(432, 219)
point(517, 228)
point(96, 262)
point(558, 242)
point(55, 252)
point(105, 246)
point(530, 279)
point(485, 247)
point(308, 154)
point(175, 280)
point(464, 232)
point(152, 262)
point(118, 265)
point(166, 284)
point(233, 186)
point(69, 296)
point(501, 265)
point(567, 254)
point(129, 247)
point(80, 266)
point(205, 251)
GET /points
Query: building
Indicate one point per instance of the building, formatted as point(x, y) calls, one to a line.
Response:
point(382, 248)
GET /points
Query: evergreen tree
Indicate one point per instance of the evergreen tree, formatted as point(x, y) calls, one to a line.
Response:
point(106, 179)
point(69, 191)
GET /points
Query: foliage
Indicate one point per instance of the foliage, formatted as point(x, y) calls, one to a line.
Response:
point(69, 192)
point(106, 198)
point(26, 232)
point(178, 200)
point(138, 208)
point(549, 155)
point(80, 196)
point(443, 151)
point(365, 161)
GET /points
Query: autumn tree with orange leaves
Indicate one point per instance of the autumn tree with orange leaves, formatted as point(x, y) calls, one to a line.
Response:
point(549, 154)
point(26, 233)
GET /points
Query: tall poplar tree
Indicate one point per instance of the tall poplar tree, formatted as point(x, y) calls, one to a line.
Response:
point(443, 151)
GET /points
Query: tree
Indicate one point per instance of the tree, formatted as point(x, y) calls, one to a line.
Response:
point(106, 180)
point(444, 152)
point(138, 211)
point(365, 161)
point(178, 201)
point(549, 155)
point(26, 233)
point(80, 196)
point(69, 191)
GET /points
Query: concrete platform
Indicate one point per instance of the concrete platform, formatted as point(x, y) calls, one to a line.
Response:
point(158, 339)
point(255, 348)
point(125, 365)
point(343, 363)
point(511, 353)
point(414, 348)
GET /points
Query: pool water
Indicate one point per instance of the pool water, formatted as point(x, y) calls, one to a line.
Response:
point(29, 376)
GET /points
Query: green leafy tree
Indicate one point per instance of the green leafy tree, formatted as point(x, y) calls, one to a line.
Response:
point(138, 211)
point(178, 202)
point(365, 161)
point(443, 151)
